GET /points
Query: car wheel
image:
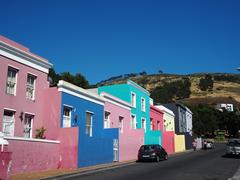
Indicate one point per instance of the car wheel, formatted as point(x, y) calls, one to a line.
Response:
point(166, 157)
point(157, 158)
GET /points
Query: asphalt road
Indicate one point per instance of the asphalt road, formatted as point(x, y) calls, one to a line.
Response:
point(198, 165)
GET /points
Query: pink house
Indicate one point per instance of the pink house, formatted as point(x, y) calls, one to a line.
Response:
point(118, 115)
point(156, 118)
point(25, 108)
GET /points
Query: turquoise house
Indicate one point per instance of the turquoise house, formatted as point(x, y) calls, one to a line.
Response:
point(139, 98)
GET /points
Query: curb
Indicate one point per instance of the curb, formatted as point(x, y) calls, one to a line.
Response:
point(236, 176)
point(90, 171)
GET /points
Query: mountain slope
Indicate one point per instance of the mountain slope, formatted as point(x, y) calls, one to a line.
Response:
point(225, 87)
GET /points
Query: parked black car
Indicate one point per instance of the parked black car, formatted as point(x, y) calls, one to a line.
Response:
point(152, 152)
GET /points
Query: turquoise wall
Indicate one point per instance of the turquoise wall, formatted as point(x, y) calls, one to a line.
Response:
point(123, 91)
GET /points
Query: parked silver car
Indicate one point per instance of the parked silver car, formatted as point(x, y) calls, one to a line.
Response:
point(233, 147)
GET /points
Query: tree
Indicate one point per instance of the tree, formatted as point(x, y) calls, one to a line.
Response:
point(172, 91)
point(77, 79)
point(205, 120)
point(206, 83)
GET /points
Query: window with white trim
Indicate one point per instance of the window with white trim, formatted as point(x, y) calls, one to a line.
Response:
point(28, 124)
point(30, 88)
point(151, 123)
point(133, 99)
point(67, 113)
point(144, 124)
point(133, 122)
point(89, 123)
point(107, 119)
point(11, 81)
point(8, 123)
point(143, 104)
point(120, 124)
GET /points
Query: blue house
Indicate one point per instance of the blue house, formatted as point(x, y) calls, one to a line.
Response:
point(85, 110)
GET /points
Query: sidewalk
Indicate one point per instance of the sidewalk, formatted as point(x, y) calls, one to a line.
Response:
point(63, 172)
point(54, 174)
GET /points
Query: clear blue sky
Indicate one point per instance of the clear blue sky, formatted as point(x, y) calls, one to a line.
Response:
point(100, 38)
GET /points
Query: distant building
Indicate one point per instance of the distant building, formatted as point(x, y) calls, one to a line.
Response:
point(224, 106)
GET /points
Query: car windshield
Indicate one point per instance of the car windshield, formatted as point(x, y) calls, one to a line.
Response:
point(234, 143)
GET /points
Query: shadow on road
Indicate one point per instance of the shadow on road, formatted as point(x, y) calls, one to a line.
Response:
point(231, 156)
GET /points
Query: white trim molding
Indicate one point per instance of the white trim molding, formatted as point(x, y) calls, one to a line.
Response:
point(24, 57)
point(138, 87)
point(32, 139)
point(116, 101)
point(74, 90)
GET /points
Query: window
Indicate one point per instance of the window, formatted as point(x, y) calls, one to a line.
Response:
point(30, 89)
point(121, 124)
point(8, 123)
point(67, 116)
point(11, 81)
point(151, 123)
point(28, 121)
point(133, 99)
point(143, 105)
point(107, 120)
point(133, 122)
point(89, 123)
point(158, 125)
point(144, 124)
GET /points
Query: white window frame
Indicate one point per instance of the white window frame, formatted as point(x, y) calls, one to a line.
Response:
point(11, 82)
point(89, 128)
point(151, 124)
point(133, 121)
point(133, 100)
point(107, 122)
point(143, 104)
point(144, 124)
point(29, 129)
point(67, 119)
point(120, 122)
point(31, 96)
point(9, 121)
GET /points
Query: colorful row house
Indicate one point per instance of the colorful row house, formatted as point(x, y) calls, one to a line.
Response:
point(168, 132)
point(139, 99)
point(183, 122)
point(23, 83)
point(67, 126)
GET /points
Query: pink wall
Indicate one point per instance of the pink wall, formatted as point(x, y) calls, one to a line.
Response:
point(67, 136)
point(19, 102)
point(168, 141)
point(130, 140)
point(5, 159)
point(157, 116)
point(30, 156)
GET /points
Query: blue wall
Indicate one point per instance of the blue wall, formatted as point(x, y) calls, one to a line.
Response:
point(97, 149)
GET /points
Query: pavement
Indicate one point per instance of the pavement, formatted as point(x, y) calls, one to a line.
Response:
point(61, 173)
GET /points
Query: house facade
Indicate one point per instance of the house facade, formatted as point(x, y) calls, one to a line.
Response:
point(183, 122)
point(139, 99)
point(118, 115)
point(23, 82)
point(156, 121)
point(85, 110)
point(168, 132)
